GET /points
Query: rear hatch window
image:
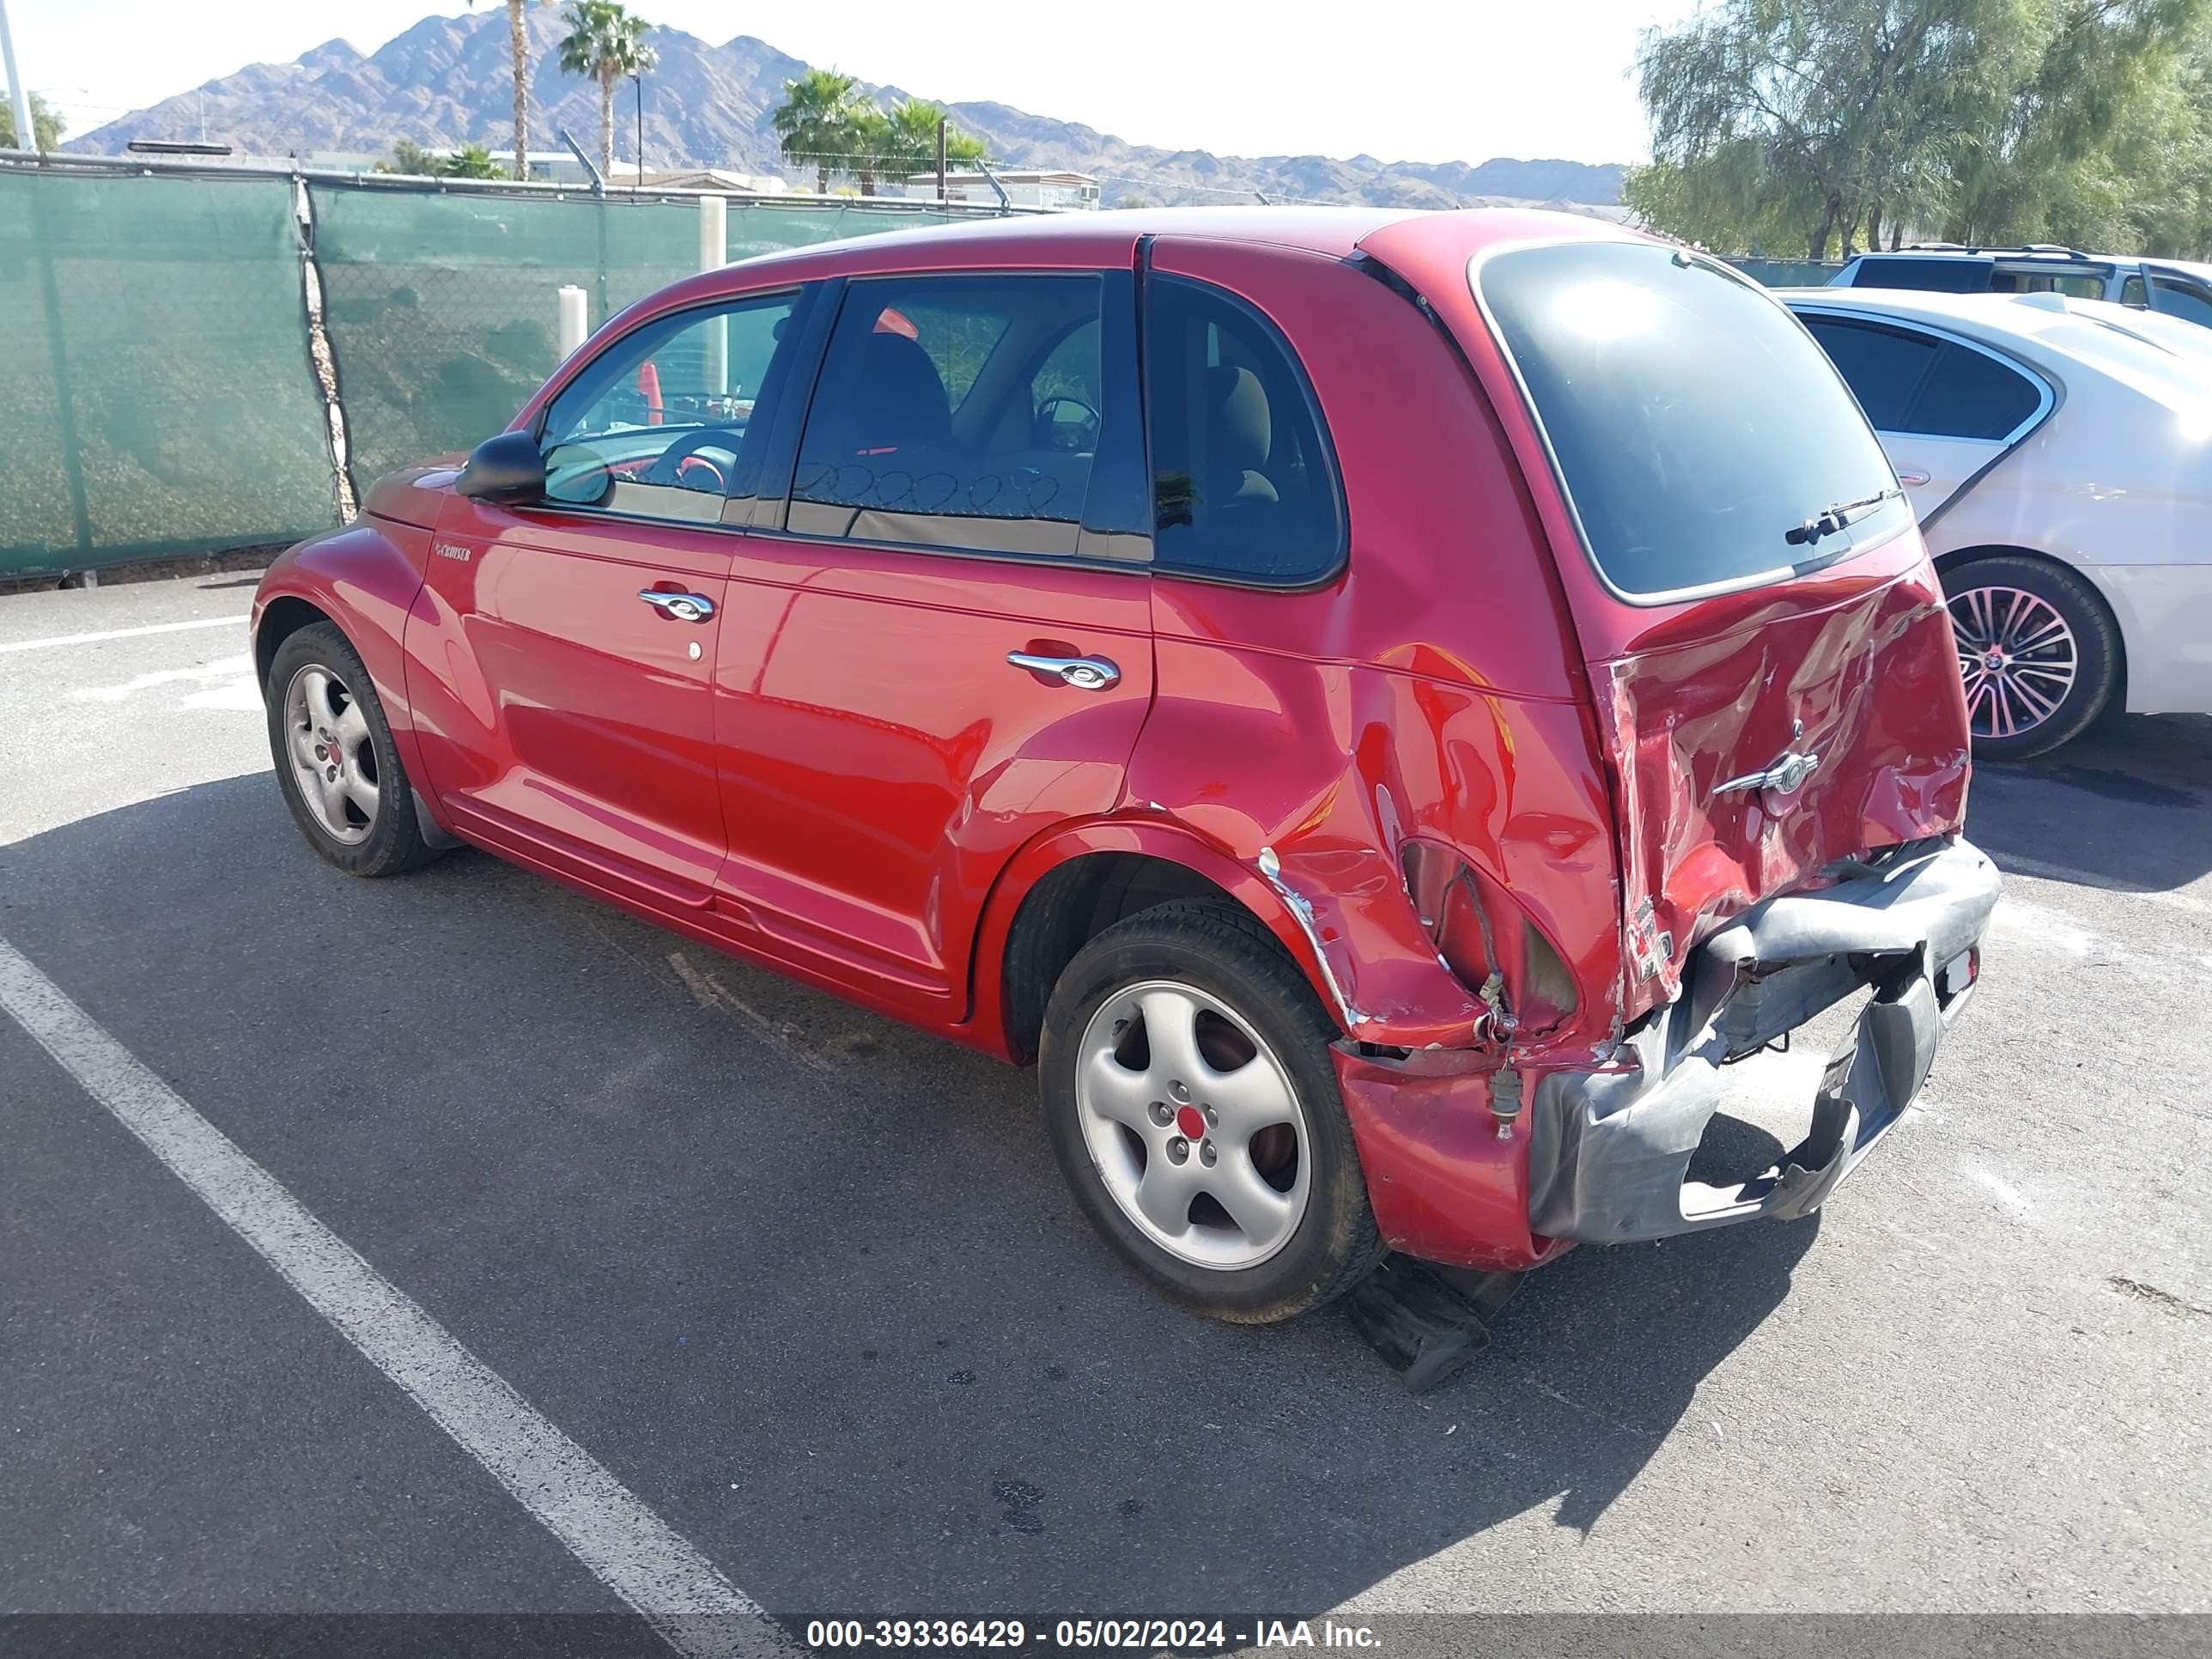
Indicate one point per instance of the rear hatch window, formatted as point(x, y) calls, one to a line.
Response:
point(1694, 425)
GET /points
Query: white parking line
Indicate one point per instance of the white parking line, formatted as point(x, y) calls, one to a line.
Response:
point(627, 1547)
point(123, 633)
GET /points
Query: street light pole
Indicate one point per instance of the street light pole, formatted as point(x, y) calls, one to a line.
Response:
point(27, 136)
point(639, 80)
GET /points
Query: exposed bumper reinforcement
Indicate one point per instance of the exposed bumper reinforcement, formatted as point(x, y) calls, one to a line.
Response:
point(1609, 1151)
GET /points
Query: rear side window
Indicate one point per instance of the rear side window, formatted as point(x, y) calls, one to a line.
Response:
point(1244, 484)
point(2183, 299)
point(1883, 367)
point(1928, 276)
point(962, 412)
point(1692, 422)
point(1969, 394)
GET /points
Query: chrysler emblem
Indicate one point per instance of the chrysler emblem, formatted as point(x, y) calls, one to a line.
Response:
point(1784, 776)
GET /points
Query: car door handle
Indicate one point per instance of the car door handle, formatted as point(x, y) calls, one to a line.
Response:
point(685, 607)
point(1083, 673)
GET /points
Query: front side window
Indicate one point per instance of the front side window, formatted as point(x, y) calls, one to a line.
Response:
point(1696, 429)
point(956, 412)
point(1243, 484)
point(1930, 275)
point(672, 420)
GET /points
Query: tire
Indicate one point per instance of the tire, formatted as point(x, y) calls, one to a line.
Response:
point(327, 727)
point(2000, 603)
point(1114, 1043)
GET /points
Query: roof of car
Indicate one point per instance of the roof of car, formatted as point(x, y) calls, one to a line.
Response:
point(1109, 237)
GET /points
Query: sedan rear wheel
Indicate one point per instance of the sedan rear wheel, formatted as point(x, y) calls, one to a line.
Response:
point(2037, 652)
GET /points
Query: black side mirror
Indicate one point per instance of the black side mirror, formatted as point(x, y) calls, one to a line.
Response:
point(508, 468)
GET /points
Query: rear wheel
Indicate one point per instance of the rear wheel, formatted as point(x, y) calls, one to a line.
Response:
point(2037, 649)
point(336, 763)
point(1194, 1109)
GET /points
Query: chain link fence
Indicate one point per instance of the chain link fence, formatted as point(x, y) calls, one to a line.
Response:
point(156, 395)
point(176, 344)
point(167, 384)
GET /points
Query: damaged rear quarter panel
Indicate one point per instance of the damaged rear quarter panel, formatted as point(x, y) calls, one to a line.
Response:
point(1430, 689)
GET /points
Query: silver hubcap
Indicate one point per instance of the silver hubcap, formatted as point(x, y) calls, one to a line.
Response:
point(327, 739)
point(2017, 656)
point(1192, 1124)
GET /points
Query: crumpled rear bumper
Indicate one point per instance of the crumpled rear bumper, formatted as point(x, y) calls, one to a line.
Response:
point(1609, 1151)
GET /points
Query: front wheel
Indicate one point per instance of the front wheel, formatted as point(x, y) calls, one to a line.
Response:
point(336, 763)
point(2037, 649)
point(1193, 1107)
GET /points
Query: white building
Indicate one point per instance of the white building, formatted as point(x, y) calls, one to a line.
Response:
point(1040, 190)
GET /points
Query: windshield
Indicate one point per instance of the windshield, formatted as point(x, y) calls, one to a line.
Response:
point(1702, 438)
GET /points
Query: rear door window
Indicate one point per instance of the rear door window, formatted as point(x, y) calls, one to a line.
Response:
point(1883, 367)
point(960, 412)
point(1693, 424)
point(1969, 394)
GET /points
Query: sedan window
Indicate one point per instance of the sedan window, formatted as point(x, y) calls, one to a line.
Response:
point(670, 421)
point(1883, 367)
point(1971, 394)
point(956, 412)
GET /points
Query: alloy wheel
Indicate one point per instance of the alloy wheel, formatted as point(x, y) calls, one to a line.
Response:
point(1192, 1124)
point(2017, 655)
point(333, 761)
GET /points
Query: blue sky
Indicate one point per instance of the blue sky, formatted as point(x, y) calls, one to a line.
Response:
point(1426, 81)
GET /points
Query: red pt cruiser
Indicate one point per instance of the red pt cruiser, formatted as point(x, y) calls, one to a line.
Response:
point(1380, 708)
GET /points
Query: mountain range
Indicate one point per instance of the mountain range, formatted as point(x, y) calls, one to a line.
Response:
point(446, 80)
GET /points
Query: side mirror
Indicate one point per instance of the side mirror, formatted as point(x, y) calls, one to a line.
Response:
point(508, 468)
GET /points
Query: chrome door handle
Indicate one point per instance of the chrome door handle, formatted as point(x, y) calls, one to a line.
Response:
point(685, 607)
point(1083, 673)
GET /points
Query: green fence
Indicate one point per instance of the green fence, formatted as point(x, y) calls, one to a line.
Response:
point(441, 310)
point(157, 394)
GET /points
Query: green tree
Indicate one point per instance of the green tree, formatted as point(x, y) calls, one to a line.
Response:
point(1980, 119)
point(471, 162)
point(909, 141)
point(45, 126)
point(604, 43)
point(819, 122)
point(411, 159)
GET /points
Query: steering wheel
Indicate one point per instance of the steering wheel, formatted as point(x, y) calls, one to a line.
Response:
point(1086, 429)
point(681, 462)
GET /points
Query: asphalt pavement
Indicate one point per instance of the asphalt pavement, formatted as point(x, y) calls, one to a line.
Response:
point(806, 1285)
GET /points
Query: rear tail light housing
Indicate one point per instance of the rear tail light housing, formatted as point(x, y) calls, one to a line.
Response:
point(1487, 941)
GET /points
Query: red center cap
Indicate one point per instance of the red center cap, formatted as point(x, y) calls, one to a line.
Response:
point(1191, 1123)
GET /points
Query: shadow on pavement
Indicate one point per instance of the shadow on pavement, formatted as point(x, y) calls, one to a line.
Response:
point(2128, 807)
point(806, 1280)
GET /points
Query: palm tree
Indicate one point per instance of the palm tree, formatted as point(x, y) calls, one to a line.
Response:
point(909, 141)
point(517, 47)
point(606, 42)
point(820, 121)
